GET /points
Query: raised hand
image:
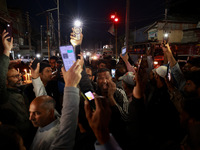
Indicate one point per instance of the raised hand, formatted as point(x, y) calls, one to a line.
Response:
point(99, 119)
point(165, 47)
point(111, 88)
point(125, 57)
point(35, 73)
point(74, 41)
point(73, 75)
point(6, 44)
point(81, 59)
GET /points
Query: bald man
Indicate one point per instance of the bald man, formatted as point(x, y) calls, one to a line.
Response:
point(42, 111)
point(56, 132)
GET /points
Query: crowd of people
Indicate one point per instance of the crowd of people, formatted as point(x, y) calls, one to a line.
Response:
point(142, 107)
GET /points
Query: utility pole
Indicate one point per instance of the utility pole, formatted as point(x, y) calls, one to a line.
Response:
point(49, 10)
point(127, 23)
point(166, 8)
point(29, 30)
point(58, 13)
point(48, 36)
point(116, 41)
point(41, 37)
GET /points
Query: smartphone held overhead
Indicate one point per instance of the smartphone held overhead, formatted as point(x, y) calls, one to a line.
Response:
point(68, 56)
point(9, 30)
point(113, 73)
point(168, 72)
point(123, 51)
point(34, 64)
point(77, 29)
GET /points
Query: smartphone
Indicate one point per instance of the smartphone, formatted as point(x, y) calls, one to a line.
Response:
point(90, 97)
point(9, 30)
point(34, 64)
point(123, 51)
point(113, 73)
point(165, 39)
point(77, 32)
point(168, 72)
point(68, 56)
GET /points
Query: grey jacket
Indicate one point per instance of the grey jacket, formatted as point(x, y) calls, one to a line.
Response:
point(60, 134)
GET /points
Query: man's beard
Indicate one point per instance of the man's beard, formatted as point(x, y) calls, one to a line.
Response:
point(16, 84)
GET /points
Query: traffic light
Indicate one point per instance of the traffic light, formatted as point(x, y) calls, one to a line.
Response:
point(116, 20)
point(112, 16)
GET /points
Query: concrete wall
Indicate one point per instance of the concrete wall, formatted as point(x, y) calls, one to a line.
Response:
point(175, 36)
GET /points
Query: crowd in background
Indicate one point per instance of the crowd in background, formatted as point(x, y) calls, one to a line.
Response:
point(139, 107)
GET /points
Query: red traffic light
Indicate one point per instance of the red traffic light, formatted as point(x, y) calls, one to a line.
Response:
point(112, 16)
point(116, 19)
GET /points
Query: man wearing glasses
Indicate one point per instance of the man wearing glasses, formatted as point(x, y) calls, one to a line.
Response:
point(13, 102)
point(13, 78)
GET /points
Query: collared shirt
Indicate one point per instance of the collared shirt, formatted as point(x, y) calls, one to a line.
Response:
point(45, 136)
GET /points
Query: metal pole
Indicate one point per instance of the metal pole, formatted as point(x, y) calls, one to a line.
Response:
point(29, 30)
point(41, 37)
point(48, 36)
point(58, 23)
point(116, 40)
point(127, 23)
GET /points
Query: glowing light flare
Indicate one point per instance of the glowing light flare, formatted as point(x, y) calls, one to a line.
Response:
point(77, 23)
point(95, 57)
point(88, 54)
point(38, 55)
point(155, 62)
point(166, 35)
point(112, 16)
point(116, 19)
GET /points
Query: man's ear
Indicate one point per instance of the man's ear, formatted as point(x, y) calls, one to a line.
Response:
point(92, 78)
point(51, 113)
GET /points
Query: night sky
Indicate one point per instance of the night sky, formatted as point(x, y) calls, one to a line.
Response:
point(94, 15)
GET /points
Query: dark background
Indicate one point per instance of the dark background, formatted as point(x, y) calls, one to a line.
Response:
point(95, 15)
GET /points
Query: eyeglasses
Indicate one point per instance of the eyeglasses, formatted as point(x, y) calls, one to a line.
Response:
point(14, 76)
